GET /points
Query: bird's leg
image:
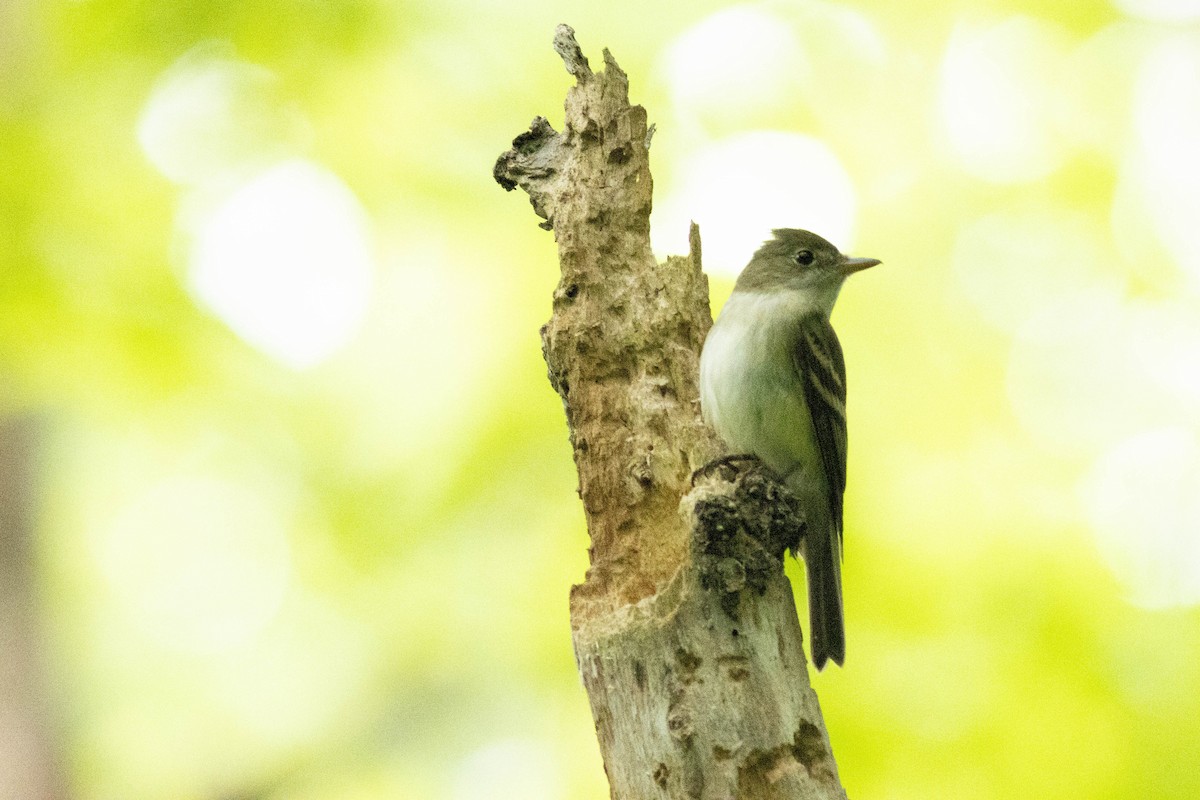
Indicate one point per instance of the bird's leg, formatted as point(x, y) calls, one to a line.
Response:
point(723, 461)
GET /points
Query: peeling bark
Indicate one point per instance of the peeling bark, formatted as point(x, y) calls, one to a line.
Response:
point(685, 628)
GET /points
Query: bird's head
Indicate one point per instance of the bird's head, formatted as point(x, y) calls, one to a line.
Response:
point(800, 261)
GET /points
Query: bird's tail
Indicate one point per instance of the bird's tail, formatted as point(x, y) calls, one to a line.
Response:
point(827, 629)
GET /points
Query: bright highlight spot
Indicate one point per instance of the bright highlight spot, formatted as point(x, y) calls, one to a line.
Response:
point(209, 112)
point(509, 769)
point(1087, 374)
point(759, 65)
point(201, 564)
point(409, 339)
point(1016, 265)
point(311, 651)
point(995, 102)
point(1144, 507)
point(740, 188)
point(286, 262)
point(1164, 163)
point(1166, 337)
point(1161, 10)
point(735, 60)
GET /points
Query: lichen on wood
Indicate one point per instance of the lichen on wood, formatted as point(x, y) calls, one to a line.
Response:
point(685, 627)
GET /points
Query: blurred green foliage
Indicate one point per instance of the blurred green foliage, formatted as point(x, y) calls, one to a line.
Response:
point(348, 578)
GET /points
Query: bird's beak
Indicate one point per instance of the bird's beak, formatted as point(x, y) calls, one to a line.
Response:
point(852, 265)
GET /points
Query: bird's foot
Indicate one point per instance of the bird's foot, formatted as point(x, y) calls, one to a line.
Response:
point(723, 461)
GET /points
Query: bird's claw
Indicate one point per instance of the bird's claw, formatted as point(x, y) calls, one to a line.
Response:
point(723, 461)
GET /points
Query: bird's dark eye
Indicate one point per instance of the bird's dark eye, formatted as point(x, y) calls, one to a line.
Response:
point(804, 257)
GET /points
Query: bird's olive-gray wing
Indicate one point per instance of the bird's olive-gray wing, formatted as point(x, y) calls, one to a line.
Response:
point(822, 371)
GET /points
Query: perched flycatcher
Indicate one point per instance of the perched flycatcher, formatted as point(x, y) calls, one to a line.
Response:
point(773, 385)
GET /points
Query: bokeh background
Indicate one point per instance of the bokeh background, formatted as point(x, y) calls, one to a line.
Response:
point(288, 508)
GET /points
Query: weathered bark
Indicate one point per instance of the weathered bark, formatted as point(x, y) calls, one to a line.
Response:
point(685, 628)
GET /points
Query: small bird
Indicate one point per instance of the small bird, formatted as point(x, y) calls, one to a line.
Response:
point(773, 386)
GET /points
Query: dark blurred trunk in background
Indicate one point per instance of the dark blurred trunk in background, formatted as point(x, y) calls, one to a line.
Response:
point(30, 767)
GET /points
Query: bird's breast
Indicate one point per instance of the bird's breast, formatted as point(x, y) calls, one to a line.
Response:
point(750, 391)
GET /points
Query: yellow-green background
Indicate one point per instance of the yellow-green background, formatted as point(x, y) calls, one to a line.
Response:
point(348, 579)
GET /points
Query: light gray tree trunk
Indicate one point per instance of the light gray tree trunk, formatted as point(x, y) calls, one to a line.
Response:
point(685, 628)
